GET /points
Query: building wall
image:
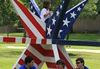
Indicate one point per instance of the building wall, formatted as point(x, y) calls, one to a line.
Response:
point(4, 29)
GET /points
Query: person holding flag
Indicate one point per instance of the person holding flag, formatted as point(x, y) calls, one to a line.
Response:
point(46, 13)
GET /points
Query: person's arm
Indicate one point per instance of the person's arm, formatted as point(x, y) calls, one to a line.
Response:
point(47, 14)
point(50, 13)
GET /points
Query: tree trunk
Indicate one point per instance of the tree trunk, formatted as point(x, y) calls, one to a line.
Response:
point(7, 30)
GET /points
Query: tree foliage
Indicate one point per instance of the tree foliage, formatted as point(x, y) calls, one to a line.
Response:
point(98, 6)
point(90, 11)
point(7, 15)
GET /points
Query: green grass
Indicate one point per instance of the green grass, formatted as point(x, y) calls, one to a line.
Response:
point(75, 36)
point(92, 60)
point(84, 37)
point(9, 56)
point(12, 44)
point(12, 34)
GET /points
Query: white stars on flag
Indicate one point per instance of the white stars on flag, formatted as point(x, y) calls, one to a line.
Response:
point(63, 1)
point(53, 21)
point(73, 15)
point(82, 4)
point(34, 8)
point(60, 6)
point(49, 30)
point(66, 22)
point(59, 33)
point(79, 9)
point(69, 19)
point(31, 7)
point(57, 13)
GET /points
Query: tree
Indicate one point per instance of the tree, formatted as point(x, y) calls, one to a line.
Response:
point(98, 6)
point(89, 10)
point(8, 16)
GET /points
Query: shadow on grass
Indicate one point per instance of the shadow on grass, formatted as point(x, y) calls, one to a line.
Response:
point(73, 55)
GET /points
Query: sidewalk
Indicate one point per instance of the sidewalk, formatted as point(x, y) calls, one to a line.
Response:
point(82, 50)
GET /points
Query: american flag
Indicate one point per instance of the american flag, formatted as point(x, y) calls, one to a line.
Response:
point(59, 30)
point(70, 18)
point(34, 8)
point(42, 49)
point(55, 18)
point(48, 53)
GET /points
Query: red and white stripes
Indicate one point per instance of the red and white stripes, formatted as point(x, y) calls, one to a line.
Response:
point(40, 48)
point(25, 40)
point(33, 25)
point(64, 55)
point(40, 54)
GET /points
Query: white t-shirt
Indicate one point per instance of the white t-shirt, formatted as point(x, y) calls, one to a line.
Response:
point(43, 12)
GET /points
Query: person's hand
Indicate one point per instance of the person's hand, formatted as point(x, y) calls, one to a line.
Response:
point(51, 12)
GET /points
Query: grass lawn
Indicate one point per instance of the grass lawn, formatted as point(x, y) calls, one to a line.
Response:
point(92, 60)
point(9, 56)
point(12, 34)
point(75, 36)
point(84, 37)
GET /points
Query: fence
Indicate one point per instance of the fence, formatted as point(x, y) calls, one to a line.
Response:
point(87, 25)
point(81, 25)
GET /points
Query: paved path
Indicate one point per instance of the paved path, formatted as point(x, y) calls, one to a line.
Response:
point(12, 47)
point(83, 50)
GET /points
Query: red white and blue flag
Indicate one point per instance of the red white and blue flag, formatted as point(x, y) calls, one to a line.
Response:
point(39, 47)
point(69, 19)
point(55, 19)
point(34, 8)
point(58, 27)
